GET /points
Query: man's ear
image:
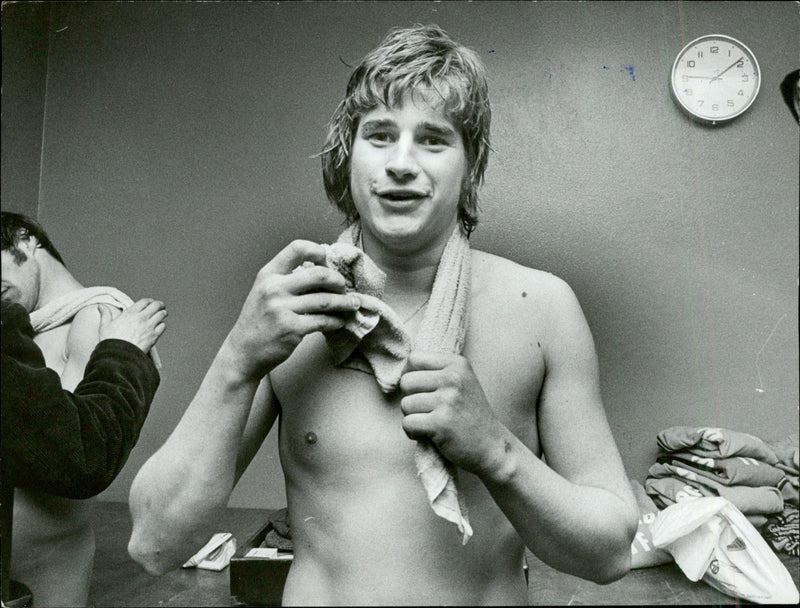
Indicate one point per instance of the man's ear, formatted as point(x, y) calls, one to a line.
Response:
point(28, 244)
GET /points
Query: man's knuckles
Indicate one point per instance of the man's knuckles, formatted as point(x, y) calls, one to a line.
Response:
point(453, 378)
point(325, 278)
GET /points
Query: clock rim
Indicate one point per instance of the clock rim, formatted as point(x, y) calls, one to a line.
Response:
point(676, 98)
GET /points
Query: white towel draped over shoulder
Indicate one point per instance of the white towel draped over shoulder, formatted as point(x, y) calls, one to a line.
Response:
point(61, 310)
point(378, 334)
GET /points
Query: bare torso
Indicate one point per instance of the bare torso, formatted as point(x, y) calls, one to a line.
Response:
point(362, 527)
point(53, 541)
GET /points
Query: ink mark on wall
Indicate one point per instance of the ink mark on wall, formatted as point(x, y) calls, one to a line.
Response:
point(625, 69)
point(629, 70)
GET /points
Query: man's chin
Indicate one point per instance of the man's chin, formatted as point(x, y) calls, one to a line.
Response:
point(399, 234)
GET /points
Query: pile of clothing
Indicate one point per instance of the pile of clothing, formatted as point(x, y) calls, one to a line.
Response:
point(280, 531)
point(758, 477)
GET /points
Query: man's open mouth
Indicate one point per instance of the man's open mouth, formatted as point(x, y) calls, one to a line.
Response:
point(401, 195)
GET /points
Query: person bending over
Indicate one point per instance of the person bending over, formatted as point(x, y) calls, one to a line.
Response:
point(419, 382)
point(53, 540)
point(67, 444)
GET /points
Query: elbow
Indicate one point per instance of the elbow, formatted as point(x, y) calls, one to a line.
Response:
point(615, 562)
point(148, 556)
point(613, 569)
point(160, 542)
point(146, 545)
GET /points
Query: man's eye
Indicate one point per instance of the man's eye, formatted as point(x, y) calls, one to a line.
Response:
point(379, 136)
point(433, 142)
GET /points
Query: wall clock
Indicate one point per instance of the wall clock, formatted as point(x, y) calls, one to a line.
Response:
point(715, 78)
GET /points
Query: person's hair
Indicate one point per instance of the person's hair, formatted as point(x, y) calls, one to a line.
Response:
point(15, 226)
point(409, 60)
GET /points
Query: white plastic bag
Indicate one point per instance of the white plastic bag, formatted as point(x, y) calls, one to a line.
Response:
point(710, 538)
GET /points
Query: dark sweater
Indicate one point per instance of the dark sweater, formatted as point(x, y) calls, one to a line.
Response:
point(68, 444)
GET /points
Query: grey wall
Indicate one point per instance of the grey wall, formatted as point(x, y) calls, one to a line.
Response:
point(178, 158)
point(25, 29)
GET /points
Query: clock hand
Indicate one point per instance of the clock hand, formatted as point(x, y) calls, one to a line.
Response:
point(717, 77)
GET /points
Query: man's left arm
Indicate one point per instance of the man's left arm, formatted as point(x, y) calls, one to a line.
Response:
point(576, 512)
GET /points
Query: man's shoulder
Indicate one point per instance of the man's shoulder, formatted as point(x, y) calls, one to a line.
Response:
point(87, 317)
point(84, 328)
point(501, 276)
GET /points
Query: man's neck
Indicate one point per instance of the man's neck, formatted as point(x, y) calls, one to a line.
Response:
point(409, 273)
point(55, 279)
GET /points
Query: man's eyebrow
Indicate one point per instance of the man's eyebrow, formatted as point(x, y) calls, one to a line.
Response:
point(439, 128)
point(377, 123)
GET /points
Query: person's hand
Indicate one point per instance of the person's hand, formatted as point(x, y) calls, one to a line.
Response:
point(141, 324)
point(293, 295)
point(443, 401)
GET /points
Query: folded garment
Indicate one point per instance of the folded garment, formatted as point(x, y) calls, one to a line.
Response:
point(715, 443)
point(62, 309)
point(668, 491)
point(676, 483)
point(788, 452)
point(790, 493)
point(276, 541)
point(738, 471)
point(376, 332)
point(281, 523)
point(782, 531)
point(791, 475)
point(643, 553)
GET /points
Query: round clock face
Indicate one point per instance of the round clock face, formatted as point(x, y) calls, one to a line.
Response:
point(715, 78)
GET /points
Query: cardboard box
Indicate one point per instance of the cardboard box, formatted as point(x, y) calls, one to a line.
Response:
point(258, 581)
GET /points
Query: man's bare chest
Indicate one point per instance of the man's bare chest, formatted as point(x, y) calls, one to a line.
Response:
point(332, 415)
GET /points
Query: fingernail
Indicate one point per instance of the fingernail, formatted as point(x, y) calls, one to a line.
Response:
point(356, 301)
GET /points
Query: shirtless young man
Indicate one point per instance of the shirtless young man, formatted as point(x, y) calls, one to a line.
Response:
point(405, 155)
point(53, 541)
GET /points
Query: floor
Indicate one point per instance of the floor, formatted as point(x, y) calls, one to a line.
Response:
point(118, 581)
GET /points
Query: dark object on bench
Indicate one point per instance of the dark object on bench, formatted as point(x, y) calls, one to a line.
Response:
point(258, 581)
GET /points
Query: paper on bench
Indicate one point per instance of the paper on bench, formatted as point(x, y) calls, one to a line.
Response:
point(268, 553)
point(216, 553)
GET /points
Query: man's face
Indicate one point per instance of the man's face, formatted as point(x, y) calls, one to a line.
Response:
point(20, 281)
point(406, 171)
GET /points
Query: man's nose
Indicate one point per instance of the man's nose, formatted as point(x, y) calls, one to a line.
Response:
point(402, 163)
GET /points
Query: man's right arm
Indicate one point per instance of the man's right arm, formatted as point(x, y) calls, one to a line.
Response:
point(180, 493)
point(182, 490)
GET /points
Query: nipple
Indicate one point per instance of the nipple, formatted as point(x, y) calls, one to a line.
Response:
point(311, 438)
